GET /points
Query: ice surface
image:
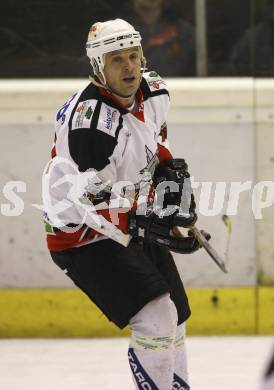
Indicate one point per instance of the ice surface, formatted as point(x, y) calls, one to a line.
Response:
point(215, 363)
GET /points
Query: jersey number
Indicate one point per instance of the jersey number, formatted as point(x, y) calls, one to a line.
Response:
point(64, 108)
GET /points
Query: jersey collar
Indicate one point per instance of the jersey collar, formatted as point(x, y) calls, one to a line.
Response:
point(139, 109)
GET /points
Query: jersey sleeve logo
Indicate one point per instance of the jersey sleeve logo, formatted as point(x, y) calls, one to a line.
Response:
point(83, 114)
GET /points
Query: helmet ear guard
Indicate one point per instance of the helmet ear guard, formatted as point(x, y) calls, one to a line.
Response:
point(94, 65)
point(97, 72)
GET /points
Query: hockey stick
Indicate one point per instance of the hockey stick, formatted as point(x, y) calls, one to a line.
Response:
point(228, 224)
point(210, 250)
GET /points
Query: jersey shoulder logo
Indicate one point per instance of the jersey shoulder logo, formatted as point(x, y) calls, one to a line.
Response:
point(155, 82)
point(83, 114)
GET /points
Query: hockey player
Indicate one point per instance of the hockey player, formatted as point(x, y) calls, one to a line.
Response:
point(114, 131)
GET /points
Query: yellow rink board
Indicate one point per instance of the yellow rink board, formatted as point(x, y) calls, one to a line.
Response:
point(69, 313)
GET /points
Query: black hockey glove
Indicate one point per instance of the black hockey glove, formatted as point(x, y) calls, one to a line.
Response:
point(160, 227)
point(172, 170)
point(175, 170)
point(157, 229)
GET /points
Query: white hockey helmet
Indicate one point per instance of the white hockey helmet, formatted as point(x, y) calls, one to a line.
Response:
point(105, 37)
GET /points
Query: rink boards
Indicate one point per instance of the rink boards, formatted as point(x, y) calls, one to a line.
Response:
point(69, 313)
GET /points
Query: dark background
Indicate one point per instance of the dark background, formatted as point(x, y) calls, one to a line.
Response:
point(46, 38)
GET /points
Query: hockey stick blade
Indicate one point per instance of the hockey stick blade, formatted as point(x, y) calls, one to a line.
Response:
point(209, 249)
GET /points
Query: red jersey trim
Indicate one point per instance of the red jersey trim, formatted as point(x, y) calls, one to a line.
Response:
point(61, 240)
point(163, 153)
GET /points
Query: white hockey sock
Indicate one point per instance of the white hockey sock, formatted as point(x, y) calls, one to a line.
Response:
point(180, 380)
point(151, 350)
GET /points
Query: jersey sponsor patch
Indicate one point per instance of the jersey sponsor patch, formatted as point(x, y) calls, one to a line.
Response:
point(108, 119)
point(157, 84)
point(83, 114)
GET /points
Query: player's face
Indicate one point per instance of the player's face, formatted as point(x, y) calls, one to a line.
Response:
point(123, 71)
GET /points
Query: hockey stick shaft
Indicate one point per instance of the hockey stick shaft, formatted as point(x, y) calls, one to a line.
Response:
point(209, 249)
point(228, 224)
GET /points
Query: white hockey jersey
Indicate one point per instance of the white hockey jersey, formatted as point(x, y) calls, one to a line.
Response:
point(94, 133)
